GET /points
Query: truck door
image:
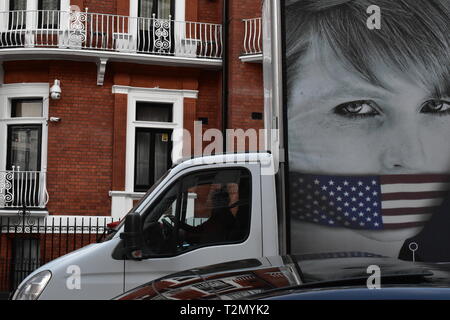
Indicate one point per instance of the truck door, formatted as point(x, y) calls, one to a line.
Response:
point(203, 217)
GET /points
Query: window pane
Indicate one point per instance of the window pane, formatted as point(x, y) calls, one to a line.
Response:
point(24, 147)
point(158, 224)
point(145, 8)
point(215, 208)
point(26, 108)
point(48, 15)
point(164, 9)
point(48, 4)
point(17, 5)
point(143, 142)
point(162, 154)
point(153, 150)
point(17, 14)
point(150, 111)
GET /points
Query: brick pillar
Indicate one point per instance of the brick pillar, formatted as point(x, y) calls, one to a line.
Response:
point(120, 133)
point(191, 13)
point(123, 8)
point(120, 141)
point(190, 107)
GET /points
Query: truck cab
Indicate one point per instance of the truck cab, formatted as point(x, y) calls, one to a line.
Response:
point(202, 211)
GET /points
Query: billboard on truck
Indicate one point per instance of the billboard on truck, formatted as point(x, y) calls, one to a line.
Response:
point(366, 105)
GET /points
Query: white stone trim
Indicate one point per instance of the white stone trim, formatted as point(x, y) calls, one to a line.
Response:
point(255, 58)
point(185, 93)
point(134, 195)
point(15, 54)
point(23, 90)
point(122, 201)
point(134, 9)
point(31, 16)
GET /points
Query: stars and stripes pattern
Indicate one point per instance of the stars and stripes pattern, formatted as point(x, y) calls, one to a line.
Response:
point(367, 202)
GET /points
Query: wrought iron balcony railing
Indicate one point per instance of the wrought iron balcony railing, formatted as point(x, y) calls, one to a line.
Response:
point(19, 189)
point(252, 36)
point(77, 30)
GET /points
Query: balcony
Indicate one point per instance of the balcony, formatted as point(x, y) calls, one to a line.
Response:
point(105, 37)
point(23, 189)
point(252, 46)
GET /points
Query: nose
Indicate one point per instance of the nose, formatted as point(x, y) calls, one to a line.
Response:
point(403, 150)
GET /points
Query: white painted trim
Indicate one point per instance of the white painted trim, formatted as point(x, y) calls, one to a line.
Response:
point(180, 10)
point(255, 58)
point(122, 201)
point(180, 15)
point(176, 97)
point(64, 5)
point(31, 17)
point(23, 90)
point(92, 56)
point(133, 195)
point(33, 213)
point(155, 91)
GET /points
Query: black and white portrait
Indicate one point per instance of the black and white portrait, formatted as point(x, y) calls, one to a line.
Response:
point(368, 112)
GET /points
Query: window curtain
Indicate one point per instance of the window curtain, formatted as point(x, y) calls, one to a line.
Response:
point(48, 17)
point(164, 9)
point(146, 8)
point(48, 4)
point(160, 7)
point(17, 5)
point(17, 19)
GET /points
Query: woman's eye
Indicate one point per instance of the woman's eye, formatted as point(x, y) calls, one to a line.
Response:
point(436, 106)
point(356, 109)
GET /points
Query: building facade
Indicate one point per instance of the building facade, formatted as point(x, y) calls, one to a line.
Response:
point(91, 93)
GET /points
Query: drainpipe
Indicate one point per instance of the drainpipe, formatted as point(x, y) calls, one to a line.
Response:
point(225, 73)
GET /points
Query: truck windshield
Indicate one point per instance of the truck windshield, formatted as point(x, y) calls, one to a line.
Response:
point(112, 232)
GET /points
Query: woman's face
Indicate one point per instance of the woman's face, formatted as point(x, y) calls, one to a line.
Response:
point(341, 124)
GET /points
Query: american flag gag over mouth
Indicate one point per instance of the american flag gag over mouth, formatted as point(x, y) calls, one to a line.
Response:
point(367, 202)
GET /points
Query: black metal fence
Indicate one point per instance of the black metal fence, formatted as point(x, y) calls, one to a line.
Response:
point(28, 242)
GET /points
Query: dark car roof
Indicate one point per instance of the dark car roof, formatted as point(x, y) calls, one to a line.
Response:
point(272, 276)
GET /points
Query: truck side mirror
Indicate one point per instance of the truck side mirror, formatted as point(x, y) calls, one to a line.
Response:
point(132, 237)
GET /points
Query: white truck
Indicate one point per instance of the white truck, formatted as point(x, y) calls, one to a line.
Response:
point(350, 183)
point(146, 246)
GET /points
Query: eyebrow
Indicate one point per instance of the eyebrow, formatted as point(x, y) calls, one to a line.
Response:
point(342, 90)
point(438, 93)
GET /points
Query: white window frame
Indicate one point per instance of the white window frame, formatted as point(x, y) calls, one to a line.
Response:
point(138, 94)
point(122, 201)
point(180, 9)
point(31, 18)
point(23, 91)
point(180, 16)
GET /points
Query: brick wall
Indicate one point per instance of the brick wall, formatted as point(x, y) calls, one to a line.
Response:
point(245, 79)
point(86, 150)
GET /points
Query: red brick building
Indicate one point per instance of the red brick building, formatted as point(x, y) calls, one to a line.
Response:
point(130, 72)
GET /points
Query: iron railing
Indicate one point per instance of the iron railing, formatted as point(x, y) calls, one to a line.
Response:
point(28, 242)
point(252, 36)
point(23, 188)
point(79, 30)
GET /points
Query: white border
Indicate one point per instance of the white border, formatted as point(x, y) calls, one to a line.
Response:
point(23, 90)
point(31, 17)
point(122, 200)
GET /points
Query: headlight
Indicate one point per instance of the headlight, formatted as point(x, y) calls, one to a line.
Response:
point(32, 289)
